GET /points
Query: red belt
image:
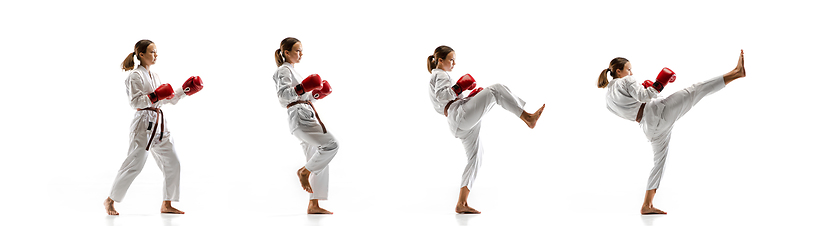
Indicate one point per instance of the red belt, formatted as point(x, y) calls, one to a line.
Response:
point(154, 130)
point(313, 109)
point(639, 115)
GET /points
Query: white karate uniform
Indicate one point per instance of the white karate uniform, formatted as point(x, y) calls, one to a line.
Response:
point(625, 96)
point(464, 115)
point(319, 147)
point(138, 85)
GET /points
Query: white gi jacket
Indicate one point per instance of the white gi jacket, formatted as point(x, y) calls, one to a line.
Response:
point(625, 96)
point(285, 80)
point(138, 86)
point(440, 92)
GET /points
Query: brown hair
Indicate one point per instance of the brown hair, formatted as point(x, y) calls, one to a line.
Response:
point(615, 64)
point(286, 44)
point(440, 53)
point(139, 47)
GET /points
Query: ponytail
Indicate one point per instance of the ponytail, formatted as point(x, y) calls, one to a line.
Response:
point(602, 79)
point(278, 57)
point(441, 52)
point(128, 63)
point(615, 64)
point(431, 63)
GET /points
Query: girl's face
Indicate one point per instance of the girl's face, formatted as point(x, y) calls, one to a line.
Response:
point(150, 56)
point(448, 63)
point(628, 70)
point(295, 54)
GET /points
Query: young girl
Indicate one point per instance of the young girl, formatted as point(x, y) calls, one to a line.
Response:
point(630, 100)
point(148, 129)
point(297, 95)
point(464, 112)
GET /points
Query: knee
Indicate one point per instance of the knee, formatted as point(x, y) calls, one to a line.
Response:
point(331, 146)
point(496, 87)
point(174, 166)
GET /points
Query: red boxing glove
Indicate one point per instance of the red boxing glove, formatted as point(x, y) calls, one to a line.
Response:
point(193, 85)
point(161, 93)
point(665, 76)
point(325, 90)
point(475, 91)
point(310, 83)
point(466, 82)
point(647, 84)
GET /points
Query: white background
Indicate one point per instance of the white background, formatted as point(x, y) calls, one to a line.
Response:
point(762, 149)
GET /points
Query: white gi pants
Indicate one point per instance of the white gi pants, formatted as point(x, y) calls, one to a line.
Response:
point(465, 120)
point(319, 148)
point(661, 114)
point(164, 153)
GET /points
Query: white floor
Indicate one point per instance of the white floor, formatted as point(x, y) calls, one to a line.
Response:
point(350, 217)
point(69, 204)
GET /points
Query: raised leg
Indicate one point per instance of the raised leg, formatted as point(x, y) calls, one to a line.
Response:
point(475, 107)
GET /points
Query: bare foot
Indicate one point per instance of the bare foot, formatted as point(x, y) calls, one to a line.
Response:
point(317, 210)
point(314, 208)
point(647, 210)
point(738, 72)
point(166, 207)
point(465, 209)
point(531, 119)
point(741, 70)
point(303, 175)
point(109, 207)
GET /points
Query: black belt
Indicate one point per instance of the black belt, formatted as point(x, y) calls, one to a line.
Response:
point(154, 130)
point(313, 109)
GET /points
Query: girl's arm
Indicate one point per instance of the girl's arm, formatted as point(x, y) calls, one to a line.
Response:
point(443, 87)
point(286, 88)
point(138, 97)
point(637, 91)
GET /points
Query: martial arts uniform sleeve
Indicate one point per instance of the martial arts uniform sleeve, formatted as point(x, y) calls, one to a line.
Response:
point(286, 87)
point(135, 89)
point(637, 91)
point(179, 93)
point(443, 88)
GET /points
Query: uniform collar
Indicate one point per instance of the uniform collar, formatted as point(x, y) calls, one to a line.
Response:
point(140, 67)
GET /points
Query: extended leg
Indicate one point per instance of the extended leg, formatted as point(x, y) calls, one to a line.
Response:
point(478, 105)
point(131, 167)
